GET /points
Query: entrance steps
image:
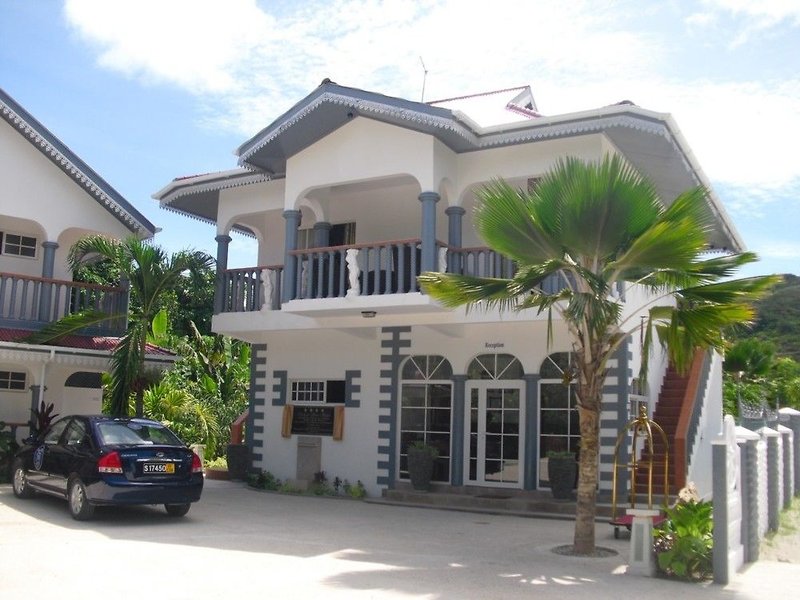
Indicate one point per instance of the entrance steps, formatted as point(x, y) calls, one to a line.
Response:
point(525, 503)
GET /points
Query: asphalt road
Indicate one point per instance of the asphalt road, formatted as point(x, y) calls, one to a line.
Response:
point(237, 542)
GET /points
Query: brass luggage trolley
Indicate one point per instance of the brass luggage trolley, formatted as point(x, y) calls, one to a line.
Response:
point(642, 428)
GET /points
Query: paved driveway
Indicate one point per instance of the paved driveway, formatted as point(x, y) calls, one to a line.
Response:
point(238, 543)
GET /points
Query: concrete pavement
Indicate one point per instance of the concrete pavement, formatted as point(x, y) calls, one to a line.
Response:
point(237, 541)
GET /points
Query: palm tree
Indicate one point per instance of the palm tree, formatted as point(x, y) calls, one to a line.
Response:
point(150, 273)
point(600, 227)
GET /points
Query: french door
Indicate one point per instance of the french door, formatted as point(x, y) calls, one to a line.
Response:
point(494, 439)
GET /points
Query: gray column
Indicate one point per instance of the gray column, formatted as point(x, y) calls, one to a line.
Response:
point(774, 486)
point(457, 436)
point(222, 265)
point(454, 230)
point(48, 268)
point(36, 400)
point(290, 262)
point(791, 419)
point(749, 490)
point(322, 234)
point(720, 562)
point(428, 234)
point(531, 432)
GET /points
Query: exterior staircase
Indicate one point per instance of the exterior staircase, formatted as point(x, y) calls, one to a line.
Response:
point(667, 415)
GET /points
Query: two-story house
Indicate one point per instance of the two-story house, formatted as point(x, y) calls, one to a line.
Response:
point(350, 195)
point(49, 198)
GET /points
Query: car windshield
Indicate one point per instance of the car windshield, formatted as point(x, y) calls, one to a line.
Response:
point(114, 433)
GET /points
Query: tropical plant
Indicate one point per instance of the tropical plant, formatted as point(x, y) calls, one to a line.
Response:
point(602, 229)
point(42, 417)
point(176, 407)
point(683, 541)
point(8, 446)
point(151, 274)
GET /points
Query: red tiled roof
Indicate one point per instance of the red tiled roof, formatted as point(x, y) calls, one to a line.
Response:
point(84, 342)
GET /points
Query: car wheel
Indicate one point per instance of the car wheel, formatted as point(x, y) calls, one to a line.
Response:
point(177, 510)
point(79, 506)
point(22, 489)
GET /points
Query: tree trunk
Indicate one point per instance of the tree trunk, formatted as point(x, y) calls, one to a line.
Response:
point(586, 506)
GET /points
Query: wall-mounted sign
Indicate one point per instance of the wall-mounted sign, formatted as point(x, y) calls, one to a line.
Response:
point(312, 420)
point(494, 345)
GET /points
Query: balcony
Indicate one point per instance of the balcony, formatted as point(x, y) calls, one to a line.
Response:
point(32, 302)
point(358, 270)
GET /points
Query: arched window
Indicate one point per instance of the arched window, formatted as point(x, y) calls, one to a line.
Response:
point(495, 366)
point(559, 429)
point(426, 393)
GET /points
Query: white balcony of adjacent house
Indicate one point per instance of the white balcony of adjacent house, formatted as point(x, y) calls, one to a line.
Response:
point(28, 303)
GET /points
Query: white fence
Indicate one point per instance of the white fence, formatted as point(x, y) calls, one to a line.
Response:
point(756, 474)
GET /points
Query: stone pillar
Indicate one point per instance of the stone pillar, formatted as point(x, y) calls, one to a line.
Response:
point(322, 234)
point(748, 444)
point(728, 552)
point(791, 419)
point(428, 233)
point(289, 289)
point(455, 216)
point(787, 464)
point(641, 560)
point(530, 467)
point(774, 489)
point(222, 265)
point(457, 437)
point(48, 268)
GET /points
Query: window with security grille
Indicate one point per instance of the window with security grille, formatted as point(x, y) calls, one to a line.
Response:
point(12, 380)
point(321, 391)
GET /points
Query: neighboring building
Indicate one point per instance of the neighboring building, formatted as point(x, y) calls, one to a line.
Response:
point(351, 194)
point(49, 198)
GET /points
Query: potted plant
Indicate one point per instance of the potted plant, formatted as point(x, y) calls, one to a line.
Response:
point(562, 469)
point(421, 457)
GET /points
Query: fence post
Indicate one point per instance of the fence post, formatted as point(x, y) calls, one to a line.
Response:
point(748, 443)
point(770, 436)
point(791, 418)
point(787, 464)
point(728, 552)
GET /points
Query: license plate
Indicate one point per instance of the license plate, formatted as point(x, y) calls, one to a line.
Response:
point(156, 468)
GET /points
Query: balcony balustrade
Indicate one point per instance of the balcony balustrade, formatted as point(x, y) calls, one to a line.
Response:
point(374, 269)
point(28, 302)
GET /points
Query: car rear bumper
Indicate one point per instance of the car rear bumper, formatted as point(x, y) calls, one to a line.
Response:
point(130, 492)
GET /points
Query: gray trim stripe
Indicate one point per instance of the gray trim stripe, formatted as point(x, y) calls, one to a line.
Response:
point(280, 388)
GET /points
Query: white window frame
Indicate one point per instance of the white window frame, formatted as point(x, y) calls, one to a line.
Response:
point(20, 246)
point(5, 382)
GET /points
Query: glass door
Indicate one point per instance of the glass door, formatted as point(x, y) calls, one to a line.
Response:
point(494, 439)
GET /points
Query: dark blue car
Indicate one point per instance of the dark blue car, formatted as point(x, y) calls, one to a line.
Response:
point(99, 460)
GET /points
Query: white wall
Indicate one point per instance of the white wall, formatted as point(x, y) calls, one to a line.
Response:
point(328, 354)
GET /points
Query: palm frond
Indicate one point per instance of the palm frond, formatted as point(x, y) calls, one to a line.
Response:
point(69, 325)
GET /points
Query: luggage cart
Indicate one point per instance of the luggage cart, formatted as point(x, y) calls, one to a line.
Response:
point(642, 428)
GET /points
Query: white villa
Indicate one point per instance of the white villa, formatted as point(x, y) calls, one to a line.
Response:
point(350, 195)
point(49, 198)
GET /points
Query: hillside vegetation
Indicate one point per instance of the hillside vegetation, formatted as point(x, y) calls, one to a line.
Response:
point(779, 318)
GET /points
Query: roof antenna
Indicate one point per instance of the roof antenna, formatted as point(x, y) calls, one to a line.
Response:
point(424, 77)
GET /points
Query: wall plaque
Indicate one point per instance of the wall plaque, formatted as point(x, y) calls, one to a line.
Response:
point(312, 420)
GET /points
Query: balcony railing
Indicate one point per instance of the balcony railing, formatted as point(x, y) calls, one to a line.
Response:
point(359, 270)
point(246, 290)
point(32, 302)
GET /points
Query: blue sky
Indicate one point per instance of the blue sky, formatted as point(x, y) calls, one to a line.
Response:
point(148, 90)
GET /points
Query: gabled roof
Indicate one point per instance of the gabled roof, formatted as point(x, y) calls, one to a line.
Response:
point(77, 170)
point(651, 141)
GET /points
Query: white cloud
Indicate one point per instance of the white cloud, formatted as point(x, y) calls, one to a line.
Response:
point(247, 65)
point(754, 16)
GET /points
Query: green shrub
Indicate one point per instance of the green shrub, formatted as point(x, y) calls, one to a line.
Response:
point(264, 481)
point(683, 542)
point(217, 463)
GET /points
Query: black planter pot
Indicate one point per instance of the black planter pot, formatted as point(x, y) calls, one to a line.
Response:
point(563, 473)
point(420, 468)
point(238, 457)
